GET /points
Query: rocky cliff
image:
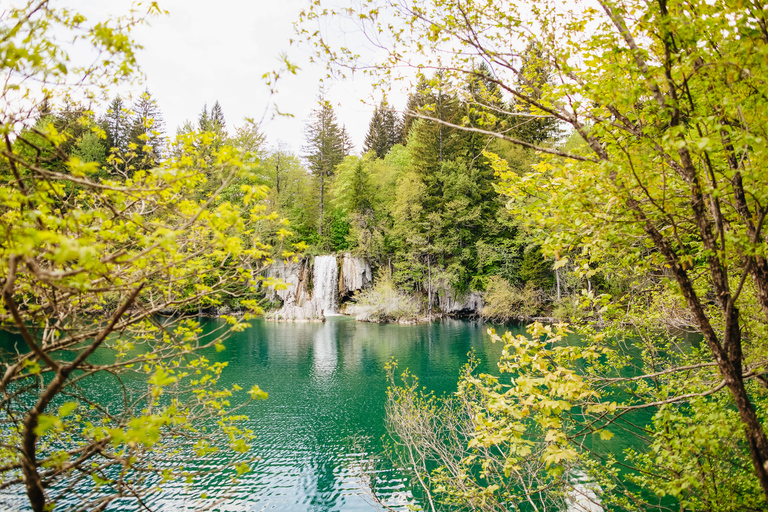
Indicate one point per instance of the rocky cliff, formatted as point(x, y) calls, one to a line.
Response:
point(312, 288)
point(355, 275)
point(453, 303)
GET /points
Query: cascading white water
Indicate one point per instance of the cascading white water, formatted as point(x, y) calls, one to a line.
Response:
point(325, 284)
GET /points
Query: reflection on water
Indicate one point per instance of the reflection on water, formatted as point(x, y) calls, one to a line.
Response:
point(326, 385)
point(325, 350)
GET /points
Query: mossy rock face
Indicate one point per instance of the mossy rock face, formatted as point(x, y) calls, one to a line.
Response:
point(309, 275)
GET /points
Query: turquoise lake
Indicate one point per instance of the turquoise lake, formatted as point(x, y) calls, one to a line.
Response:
point(327, 387)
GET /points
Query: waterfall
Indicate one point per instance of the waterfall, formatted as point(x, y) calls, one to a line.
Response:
point(325, 283)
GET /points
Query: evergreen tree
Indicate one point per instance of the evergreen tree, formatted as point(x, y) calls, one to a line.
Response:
point(384, 130)
point(447, 208)
point(218, 124)
point(324, 149)
point(353, 190)
point(250, 141)
point(75, 127)
point(418, 226)
point(213, 122)
point(373, 137)
point(393, 126)
point(44, 109)
point(90, 149)
point(534, 79)
point(116, 125)
point(346, 142)
point(147, 132)
point(431, 142)
point(416, 101)
point(73, 120)
point(203, 120)
point(485, 109)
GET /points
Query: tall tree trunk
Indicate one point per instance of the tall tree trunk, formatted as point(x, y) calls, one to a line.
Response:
point(322, 199)
point(728, 354)
point(429, 285)
point(32, 480)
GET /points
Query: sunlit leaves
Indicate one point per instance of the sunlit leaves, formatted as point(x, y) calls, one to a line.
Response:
point(93, 256)
point(257, 393)
point(513, 436)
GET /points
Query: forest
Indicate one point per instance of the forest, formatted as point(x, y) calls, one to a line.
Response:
point(419, 201)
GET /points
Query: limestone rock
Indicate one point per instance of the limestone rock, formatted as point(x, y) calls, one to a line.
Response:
point(291, 276)
point(450, 302)
point(299, 305)
point(355, 275)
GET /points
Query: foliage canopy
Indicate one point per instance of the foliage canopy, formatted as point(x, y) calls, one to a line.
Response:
point(664, 178)
point(88, 260)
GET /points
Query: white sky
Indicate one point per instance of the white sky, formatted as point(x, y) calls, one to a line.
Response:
point(205, 51)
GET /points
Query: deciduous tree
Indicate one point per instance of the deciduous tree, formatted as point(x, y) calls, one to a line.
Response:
point(87, 264)
point(668, 99)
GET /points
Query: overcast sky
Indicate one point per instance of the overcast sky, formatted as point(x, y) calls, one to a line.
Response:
point(205, 51)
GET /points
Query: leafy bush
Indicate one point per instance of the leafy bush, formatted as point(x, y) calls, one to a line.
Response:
point(504, 301)
point(385, 303)
point(568, 308)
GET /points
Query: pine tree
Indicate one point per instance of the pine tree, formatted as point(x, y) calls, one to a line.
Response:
point(416, 101)
point(209, 123)
point(218, 124)
point(533, 79)
point(484, 107)
point(372, 140)
point(449, 205)
point(384, 131)
point(392, 125)
point(346, 142)
point(44, 109)
point(74, 120)
point(325, 148)
point(203, 120)
point(147, 132)
point(116, 124)
point(432, 142)
point(213, 122)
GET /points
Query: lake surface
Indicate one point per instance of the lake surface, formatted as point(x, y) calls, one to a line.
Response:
point(327, 386)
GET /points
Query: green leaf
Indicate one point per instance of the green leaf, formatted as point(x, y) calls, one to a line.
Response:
point(46, 423)
point(67, 409)
point(606, 435)
point(162, 378)
point(257, 393)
